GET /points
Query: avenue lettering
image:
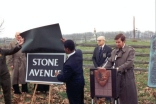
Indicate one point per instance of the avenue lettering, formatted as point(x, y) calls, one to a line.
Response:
point(43, 72)
point(45, 62)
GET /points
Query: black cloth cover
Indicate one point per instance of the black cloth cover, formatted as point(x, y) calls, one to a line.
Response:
point(46, 39)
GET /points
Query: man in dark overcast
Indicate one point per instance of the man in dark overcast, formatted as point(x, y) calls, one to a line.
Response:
point(72, 74)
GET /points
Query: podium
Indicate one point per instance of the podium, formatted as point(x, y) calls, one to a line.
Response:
point(110, 88)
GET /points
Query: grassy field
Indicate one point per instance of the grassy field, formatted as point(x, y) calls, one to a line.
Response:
point(146, 95)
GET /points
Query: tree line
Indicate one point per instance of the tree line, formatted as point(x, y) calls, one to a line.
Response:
point(91, 36)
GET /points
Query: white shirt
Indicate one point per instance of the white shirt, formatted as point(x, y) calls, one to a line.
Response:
point(123, 45)
point(71, 54)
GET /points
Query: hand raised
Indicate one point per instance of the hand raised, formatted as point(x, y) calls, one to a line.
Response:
point(63, 40)
point(56, 74)
point(21, 41)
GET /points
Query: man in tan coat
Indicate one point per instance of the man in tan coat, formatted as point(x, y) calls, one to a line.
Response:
point(17, 62)
point(122, 59)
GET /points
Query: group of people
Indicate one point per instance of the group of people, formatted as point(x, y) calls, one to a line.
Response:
point(16, 60)
point(121, 58)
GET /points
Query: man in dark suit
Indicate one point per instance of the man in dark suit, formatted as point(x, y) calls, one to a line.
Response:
point(100, 55)
point(5, 81)
point(101, 52)
point(72, 74)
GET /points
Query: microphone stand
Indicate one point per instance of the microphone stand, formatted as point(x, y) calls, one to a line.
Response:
point(115, 61)
point(105, 63)
point(115, 99)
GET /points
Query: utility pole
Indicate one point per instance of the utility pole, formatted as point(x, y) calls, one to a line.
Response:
point(134, 27)
point(95, 34)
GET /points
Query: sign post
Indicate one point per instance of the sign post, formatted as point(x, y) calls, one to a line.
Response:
point(46, 53)
point(41, 68)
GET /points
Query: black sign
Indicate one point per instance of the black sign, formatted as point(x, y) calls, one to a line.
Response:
point(41, 67)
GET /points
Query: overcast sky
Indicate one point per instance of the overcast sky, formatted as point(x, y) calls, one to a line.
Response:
point(77, 16)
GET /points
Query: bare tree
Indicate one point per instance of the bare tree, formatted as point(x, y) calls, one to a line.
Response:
point(1, 25)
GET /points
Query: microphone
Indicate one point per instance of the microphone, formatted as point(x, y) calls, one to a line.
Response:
point(108, 55)
point(115, 60)
point(116, 57)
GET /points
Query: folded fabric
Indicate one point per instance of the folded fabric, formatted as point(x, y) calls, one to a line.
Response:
point(44, 39)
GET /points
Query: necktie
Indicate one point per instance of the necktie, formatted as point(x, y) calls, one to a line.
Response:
point(100, 52)
point(120, 49)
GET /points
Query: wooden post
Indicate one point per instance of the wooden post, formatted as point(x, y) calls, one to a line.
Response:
point(134, 27)
point(95, 35)
point(32, 100)
point(50, 95)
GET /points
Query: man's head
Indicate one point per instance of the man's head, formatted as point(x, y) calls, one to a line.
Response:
point(101, 40)
point(17, 36)
point(69, 46)
point(120, 40)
